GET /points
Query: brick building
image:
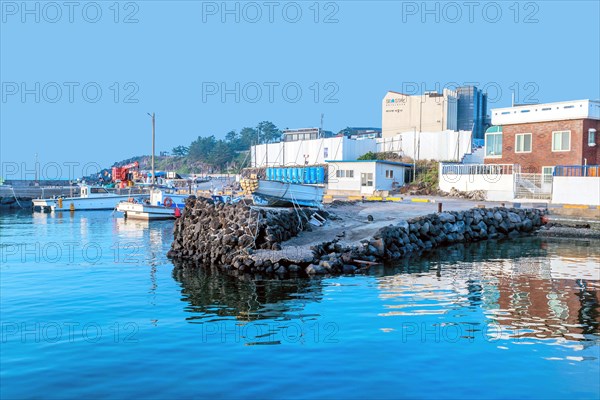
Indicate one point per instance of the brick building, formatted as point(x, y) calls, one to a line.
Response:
point(541, 136)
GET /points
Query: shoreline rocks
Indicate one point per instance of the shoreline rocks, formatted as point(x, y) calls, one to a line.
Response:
point(228, 236)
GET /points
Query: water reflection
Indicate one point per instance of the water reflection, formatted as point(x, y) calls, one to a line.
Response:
point(214, 295)
point(528, 289)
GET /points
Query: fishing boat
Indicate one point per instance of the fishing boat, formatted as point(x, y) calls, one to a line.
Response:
point(90, 197)
point(283, 194)
point(160, 206)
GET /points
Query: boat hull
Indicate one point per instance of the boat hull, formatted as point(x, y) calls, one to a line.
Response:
point(83, 204)
point(146, 212)
point(281, 194)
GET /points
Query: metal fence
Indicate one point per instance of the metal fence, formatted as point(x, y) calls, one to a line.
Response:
point(577, 170)
point(532, 186)
point(479, 169)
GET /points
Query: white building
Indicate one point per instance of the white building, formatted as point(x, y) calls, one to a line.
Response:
point(430, 112)
point(310, 152)
point(365, 177)
point(557, 111)
point(446, 145)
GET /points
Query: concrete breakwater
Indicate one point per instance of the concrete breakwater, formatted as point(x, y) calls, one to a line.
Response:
point(237, 237)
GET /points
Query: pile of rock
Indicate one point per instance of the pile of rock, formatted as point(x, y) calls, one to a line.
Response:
point(213, 233)
point(227, 236)
point(394, 242)
point(478, 195)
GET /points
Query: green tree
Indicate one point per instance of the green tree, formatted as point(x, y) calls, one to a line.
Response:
point(180, 151)
point(269, 133)
point(221, 154)
point(247, 138)
point(368, 156)
point(201, 148)
point(231, 136)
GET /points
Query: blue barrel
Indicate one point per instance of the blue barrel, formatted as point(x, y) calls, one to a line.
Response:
point(277, 174)
point(269, 174)
point(294, 172)
point(320, 175)
point(312, 175)
point(284, 174)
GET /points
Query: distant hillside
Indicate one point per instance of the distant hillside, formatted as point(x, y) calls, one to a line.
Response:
point(182, 165)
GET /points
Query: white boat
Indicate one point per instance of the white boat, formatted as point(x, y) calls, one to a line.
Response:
point(273, 193)
point(90, 198)
point(161, 205)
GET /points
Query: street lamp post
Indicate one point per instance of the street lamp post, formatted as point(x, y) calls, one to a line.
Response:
point(153, 143)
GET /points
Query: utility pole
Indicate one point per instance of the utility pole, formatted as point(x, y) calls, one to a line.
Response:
point(414, 153)
point(153, 145)
point(321, 128)
point(35, 166)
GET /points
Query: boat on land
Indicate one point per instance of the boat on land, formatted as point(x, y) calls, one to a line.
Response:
point(91, 197)
point(284, 194)
point(160, 206)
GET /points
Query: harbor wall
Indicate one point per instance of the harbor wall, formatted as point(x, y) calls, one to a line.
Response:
point(584, 190)
point(231, 236)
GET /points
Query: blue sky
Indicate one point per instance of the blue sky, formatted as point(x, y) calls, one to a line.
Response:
point(174, 58)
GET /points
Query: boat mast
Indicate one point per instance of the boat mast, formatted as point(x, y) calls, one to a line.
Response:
point(153, 131)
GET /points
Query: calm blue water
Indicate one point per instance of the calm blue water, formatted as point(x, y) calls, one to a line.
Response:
point(91, 307)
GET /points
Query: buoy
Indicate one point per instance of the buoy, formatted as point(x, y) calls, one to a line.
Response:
point(168, 202)
point(177, 213)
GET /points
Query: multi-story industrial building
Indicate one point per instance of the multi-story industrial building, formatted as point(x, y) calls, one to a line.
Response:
point(428, 112)
point(472, 111)
point(462, 110)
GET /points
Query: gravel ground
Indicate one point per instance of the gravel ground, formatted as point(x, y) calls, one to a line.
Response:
point(569, 232)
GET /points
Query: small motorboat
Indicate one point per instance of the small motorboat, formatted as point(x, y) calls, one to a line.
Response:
point(91, 197)
point(160, 206)
point(283, 194)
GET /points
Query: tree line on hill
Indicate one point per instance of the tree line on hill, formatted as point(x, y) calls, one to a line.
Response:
point(229, 153)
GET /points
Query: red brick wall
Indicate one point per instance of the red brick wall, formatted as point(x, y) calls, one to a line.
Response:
point(591, 153)
point(541, 145)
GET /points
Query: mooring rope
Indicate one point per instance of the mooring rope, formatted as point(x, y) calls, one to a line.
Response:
point(15, 196)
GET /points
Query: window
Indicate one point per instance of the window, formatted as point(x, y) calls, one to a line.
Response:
point(493, 144)
point(366, 179)
point(344, 173)
point(561, 141)
point(326, 152)
point(547, 109)
point(389, 173)
point(547, 174)
point(523, 143)
point(591, 137)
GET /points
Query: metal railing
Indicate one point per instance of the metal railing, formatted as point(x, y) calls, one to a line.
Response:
point(532, 186)
point(478, 169)
point(577, 170)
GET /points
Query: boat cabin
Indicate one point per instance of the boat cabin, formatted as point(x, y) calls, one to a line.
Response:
point(86, 191)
